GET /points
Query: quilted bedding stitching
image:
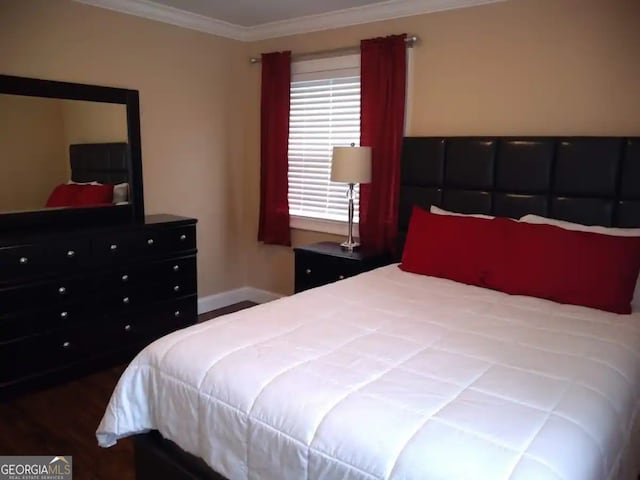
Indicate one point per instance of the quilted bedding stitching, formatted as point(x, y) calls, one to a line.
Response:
point(485, 310)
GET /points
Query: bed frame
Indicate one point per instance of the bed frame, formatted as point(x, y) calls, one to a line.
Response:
point(589, 180)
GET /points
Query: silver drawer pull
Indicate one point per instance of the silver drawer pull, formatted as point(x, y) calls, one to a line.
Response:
point(125, 278)
point(340, 277)
point(176, 268)
point(66, 344)
point(308, 271)
point(183, 237)
point(127, 328)
point(64, 314)
point(177, 313)
point(62, 290)
point(125, 300)
point(150, 241)
point(113, 247)
point(23, 260)
point(176, 288)
point(71, 254)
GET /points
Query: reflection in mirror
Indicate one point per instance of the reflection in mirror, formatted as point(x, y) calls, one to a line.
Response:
point(47, 144)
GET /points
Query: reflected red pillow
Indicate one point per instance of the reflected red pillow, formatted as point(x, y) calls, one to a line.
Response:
point(91, 195)
point(63, 195)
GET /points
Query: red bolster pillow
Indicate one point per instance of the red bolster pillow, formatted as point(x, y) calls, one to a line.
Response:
point(465, 249)
point(580, 268)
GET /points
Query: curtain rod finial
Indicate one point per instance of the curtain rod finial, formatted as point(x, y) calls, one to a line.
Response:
point(411, 40)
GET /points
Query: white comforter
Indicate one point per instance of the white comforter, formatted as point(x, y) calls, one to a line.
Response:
point(394, 375)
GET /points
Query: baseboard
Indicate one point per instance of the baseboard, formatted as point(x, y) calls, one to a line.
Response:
point(224, 299)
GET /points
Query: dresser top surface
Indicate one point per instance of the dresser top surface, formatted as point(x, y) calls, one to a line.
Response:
point(150, 221)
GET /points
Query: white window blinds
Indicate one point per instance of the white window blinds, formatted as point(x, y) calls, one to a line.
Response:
point(325, 112)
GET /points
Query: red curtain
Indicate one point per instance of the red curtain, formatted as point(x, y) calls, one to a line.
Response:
point(383, 67)
point(274, 142)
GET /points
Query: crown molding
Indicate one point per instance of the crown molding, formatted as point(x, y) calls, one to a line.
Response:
point(387, 10)
point(356, 16)
point(173, 16)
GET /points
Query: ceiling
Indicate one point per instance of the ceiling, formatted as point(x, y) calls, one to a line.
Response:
point(251, 20)
point(248, 13)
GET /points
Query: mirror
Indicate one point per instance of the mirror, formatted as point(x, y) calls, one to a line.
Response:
point(48, 143)
point(69, 154)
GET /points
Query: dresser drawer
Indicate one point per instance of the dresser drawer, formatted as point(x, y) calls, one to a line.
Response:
point(125, 299)
point(21, 261)
point(39, 354)
point(140, 274)
point(142, 326)
point(129, 298)
point(148, 242)
point(17, 325)
point(180, 239)
point(113, 247)
point(159, 241)
point(34, 295)
point(68, 253)
point(173, 288)
point(50, 257)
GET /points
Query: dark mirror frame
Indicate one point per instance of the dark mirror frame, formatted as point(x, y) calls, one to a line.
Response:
point(77, 217)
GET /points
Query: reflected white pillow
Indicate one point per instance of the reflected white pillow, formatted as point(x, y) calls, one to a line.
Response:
point(71, 182)
point(578, 227)
point(442, 211)
point(121, 193)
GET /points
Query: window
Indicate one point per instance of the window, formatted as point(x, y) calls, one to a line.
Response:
point(325, 112)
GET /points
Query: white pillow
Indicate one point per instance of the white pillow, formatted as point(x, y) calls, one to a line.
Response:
point(442, 211)
point(578, 227)
point(121, 193)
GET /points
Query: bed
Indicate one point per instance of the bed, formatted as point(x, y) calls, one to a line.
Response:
point(395, 375)
point(99, 176)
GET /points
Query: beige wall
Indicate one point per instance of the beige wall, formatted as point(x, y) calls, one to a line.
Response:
point(522, 67)
point(191, 144)
point(32, 151)
point(93, 122)
point(519, 67)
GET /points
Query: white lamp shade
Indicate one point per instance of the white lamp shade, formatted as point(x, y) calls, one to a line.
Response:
point(351, 165)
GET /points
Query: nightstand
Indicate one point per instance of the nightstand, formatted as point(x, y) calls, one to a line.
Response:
point(327, 262)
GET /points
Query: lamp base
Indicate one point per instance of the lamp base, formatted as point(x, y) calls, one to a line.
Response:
point(350, 246)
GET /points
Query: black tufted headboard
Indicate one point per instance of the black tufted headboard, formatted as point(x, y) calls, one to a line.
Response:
point(106, 163)
point(589, 180)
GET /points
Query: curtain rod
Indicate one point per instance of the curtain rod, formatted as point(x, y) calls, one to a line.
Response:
point(410, 41)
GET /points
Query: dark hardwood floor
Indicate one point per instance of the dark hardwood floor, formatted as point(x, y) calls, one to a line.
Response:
point(63, 420)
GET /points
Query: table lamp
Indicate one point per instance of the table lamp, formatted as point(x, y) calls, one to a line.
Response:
point(351, 165)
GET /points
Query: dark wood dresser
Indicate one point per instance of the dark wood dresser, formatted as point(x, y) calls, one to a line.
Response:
point(326, 262)
point(79, 300)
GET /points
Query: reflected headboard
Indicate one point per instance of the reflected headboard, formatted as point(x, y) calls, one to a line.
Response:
point(101, 162)
point(589, 180)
